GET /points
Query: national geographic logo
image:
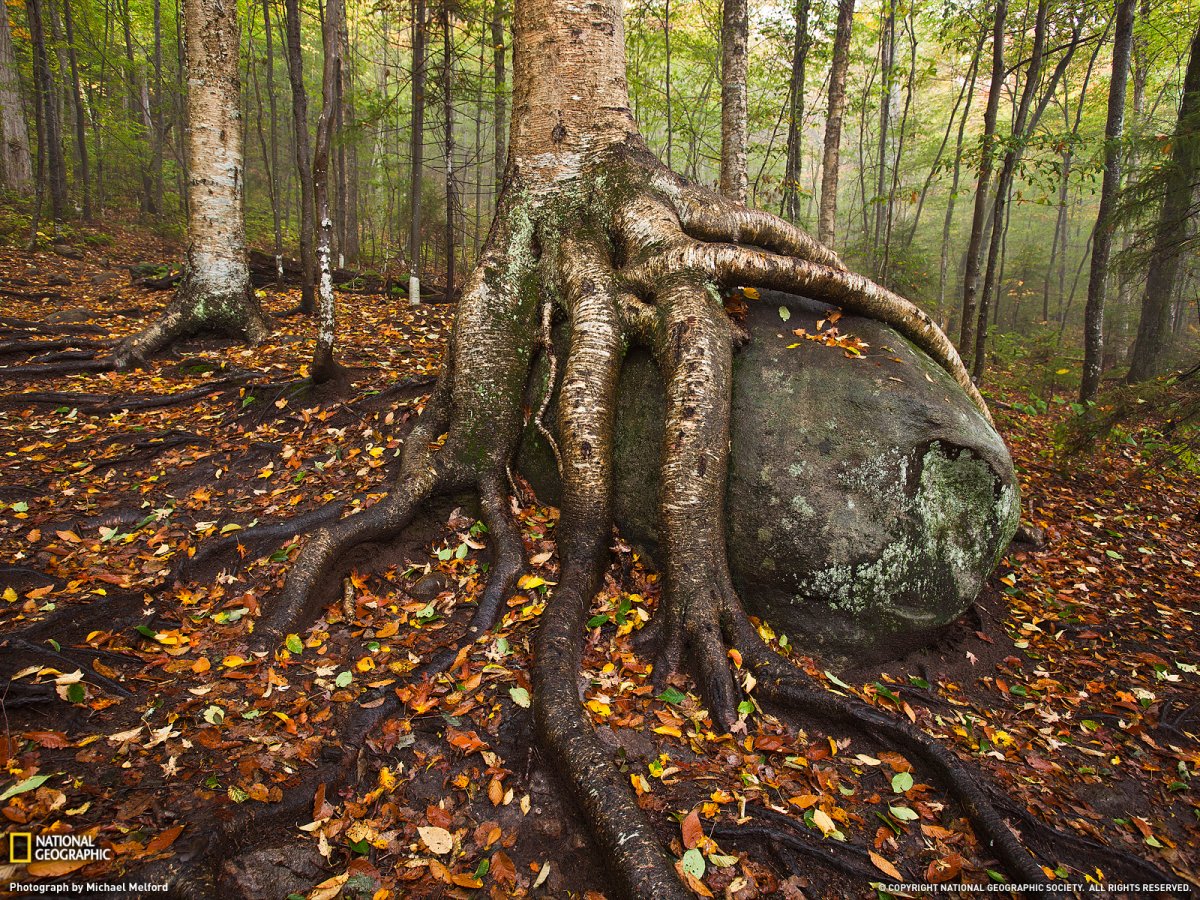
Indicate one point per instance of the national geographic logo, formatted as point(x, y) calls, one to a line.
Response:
point(24, 847)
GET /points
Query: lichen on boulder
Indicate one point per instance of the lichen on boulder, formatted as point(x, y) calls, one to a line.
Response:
point(868, 500)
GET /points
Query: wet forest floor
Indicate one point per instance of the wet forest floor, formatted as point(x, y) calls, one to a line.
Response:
point(132, 711)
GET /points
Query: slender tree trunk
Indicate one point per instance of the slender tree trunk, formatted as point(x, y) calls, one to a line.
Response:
point(139, 109)
point(1093, 315)
point(273, 174)
point(1024, 124)
point(894, 189)
point(16, 164)
point(667, 79)
point(84, 181)
point(827, 213)
point(500, 104)
point(324, 366)
point(159, 133)
point(795, 137)
point(348, 149)
point(966, 341)
point(951, 201)
point(51, 141)
point(448, 124)
point(735, 27)
point(418, 152)
point(1154, 328)
point(303, 155)
point(882, 198)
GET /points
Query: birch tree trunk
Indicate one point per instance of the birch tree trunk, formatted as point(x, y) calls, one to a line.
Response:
point(16, 164)
point(418, 151)
point(827, 212)
point(735, 27)
point(324, 366)
point(215, 294)
point(1093, 314)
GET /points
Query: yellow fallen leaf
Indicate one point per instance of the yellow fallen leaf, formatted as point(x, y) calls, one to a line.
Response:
point(884, 866)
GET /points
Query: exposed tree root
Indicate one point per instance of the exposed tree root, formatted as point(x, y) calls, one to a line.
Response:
point(237, 314)
point(629, 254)
point(49, 370)
point(60, 658)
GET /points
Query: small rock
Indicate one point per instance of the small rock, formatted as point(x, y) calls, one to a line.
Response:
point(67, 251)
point(59, 281)
point(69, 316)
point(429, 586)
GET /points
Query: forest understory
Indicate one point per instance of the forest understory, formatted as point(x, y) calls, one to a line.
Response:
point(135, 558)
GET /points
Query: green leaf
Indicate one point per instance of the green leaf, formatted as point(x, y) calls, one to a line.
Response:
point(344, 678)
point(76, 693)
point(294, 644)
point(146, 631)
point(597, 621)
point(918, 682)
point(29, 784)
point(746, 707)
point(902, 813)
point(1019, 690)
point(901, 782)
point(693, 863)
point(996, 876)
point(721, 860)
point(214, 715)
point(20, 506)
point(55, 644)
point(520, 696)
point(833, 678)
point(785, 313)
point(485, 866)
point(670, 695)
point(237, 795)
point(362, 848)
point(461, 552)
point(885, 691)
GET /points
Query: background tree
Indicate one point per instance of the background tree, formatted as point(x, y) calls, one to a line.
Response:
point(1093, 329)
point(1177, 181)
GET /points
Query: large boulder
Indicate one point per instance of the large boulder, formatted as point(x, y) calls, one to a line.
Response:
point(868, 499)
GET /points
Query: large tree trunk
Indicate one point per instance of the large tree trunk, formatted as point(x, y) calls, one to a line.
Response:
point(303, 154)
point(1154, 328)
point(215, 294)
point(735, 27)
point(16, 164)
point(1093, 314)
point(827, 215)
